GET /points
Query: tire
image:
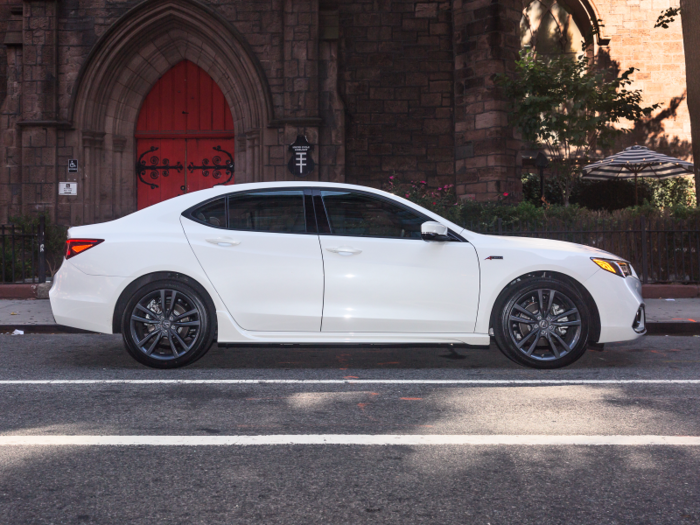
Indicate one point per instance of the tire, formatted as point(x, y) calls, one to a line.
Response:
point(180, 337)
point(547, 341)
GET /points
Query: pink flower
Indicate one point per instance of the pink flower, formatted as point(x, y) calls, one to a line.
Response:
point(407, 195)
point(423, 182)
point(391, 178)
point(505, 194)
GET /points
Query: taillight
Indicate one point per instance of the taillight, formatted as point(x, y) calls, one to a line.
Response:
point(76, 246)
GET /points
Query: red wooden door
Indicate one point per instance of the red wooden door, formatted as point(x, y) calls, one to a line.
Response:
point(184, 136)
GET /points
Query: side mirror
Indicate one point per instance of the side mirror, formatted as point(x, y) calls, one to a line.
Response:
point(434, 231)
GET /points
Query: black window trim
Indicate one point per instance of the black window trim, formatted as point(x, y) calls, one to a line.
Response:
point(189, 212)
point(453, 236)
point(309, 193)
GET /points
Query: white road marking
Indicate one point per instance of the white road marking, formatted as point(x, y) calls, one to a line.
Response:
point(349, 439)
point(350, 382)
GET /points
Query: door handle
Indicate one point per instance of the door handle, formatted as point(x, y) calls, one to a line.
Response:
point(344, 250)
point(224, 243)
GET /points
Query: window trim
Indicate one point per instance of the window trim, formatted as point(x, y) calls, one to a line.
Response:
point(453, 236)
point(321, 215)
point(189, 212)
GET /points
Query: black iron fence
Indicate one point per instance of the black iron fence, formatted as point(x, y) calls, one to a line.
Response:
point(662, 250)
point(23, 256)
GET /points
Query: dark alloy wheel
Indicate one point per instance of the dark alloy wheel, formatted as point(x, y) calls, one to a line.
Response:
point(542, 323)
point(167, 325)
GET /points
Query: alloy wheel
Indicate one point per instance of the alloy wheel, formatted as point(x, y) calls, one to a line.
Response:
point(544, 324)
point(165, 324)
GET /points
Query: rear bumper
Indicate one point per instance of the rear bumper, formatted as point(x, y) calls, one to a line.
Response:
point(619, 301)
point(84, 301)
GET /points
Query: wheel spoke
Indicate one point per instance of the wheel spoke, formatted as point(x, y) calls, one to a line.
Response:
point(566, 314)
point(562, 342)
point(147, 311)
point(173, 296)
point(516, 319)
point(533, 346)
point(550, 302)
point(554, 348)
point(186, 314)
point(526, 312)
point(154, 343)
point(527, 337)
point(540, 303)
point(162, 302)
point(181, 341)
point(186, 323)
point(143, 319)
point(150, 334)
point(567, 323)
point(172, 347)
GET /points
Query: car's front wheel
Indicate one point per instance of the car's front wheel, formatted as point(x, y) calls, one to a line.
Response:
point(167, 324)
point(542, 323)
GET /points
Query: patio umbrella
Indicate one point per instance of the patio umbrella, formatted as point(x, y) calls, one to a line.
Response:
point(637, 161)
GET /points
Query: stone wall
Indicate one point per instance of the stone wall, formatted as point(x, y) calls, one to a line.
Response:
point(658, 54)
point(396, 72)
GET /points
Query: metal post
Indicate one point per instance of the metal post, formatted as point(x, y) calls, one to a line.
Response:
point(500, 226)
point(42, 251)
point(541, 162)
point(645, 264)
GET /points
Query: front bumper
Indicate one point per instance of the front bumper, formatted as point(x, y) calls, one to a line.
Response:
point(84, 301)
point(620, 305)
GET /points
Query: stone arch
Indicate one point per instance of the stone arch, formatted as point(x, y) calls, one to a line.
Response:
point(122, 68)
point(583, 15)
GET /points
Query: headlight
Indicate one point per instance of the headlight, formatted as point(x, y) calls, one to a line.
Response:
point(621, 268)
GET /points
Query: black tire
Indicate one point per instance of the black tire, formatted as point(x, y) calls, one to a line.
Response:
point(170, 337)
point(548, 341)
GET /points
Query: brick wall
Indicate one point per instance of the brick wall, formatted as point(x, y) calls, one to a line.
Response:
point(658, 54)
point(396, 75)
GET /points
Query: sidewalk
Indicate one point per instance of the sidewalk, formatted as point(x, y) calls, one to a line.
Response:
point(38, 311)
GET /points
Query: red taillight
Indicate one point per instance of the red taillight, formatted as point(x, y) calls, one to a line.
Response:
point(76, 246)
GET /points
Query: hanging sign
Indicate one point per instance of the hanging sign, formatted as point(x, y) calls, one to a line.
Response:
point(301, 163)
point(72, 165)
point(67, 188)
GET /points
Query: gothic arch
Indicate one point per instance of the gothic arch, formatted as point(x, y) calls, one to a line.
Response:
point(120, 71)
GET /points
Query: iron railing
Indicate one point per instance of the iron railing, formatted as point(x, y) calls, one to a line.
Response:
point(22, 255)
point(661, 251)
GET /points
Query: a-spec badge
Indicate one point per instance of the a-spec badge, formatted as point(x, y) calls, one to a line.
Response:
point(493, 257)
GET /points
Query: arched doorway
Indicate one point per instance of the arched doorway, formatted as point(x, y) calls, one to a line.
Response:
point(184, 136)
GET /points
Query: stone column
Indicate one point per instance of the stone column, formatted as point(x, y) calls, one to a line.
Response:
point(301, 82)
point(39, 105)
point(486, 42)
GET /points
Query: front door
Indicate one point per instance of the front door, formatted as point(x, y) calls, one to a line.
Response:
point(184, 136)
point(382, 277)
point(264, 262)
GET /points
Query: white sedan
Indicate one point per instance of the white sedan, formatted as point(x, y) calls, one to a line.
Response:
point(302, 262)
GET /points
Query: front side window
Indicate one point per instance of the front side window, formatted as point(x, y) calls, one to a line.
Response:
point(267, 211)
point(361, 215)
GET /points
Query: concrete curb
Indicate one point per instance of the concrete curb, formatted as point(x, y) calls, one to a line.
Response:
point(670, 291)
point(25, 291)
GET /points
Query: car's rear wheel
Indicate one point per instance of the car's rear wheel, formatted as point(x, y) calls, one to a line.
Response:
point(542, 323)
point(167, 324)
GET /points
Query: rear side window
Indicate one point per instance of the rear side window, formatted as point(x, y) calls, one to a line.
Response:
point(212, 213)
point(360, 215)
point(267, 211)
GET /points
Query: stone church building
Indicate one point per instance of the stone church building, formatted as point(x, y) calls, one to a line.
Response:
point(108, 106)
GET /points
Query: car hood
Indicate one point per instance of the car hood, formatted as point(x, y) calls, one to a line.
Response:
point(536, 244)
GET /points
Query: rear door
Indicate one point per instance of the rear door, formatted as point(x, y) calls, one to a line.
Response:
point(262, 257)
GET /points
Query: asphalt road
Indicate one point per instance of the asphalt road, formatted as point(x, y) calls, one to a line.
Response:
point(64, 387)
